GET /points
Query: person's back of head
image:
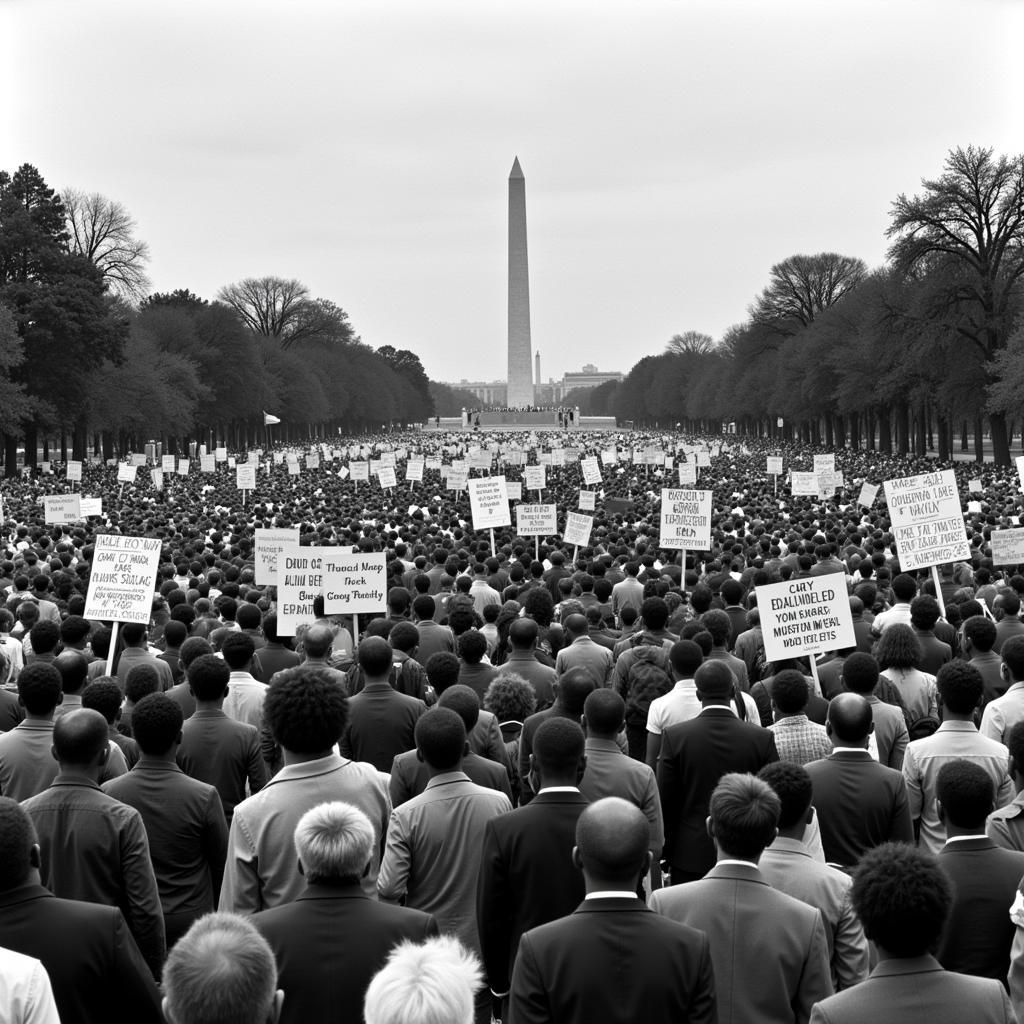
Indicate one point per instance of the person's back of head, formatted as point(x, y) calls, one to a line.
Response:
point(1012, 653)
point(433, 982)
point(248, 616)
point(175, 634)
point(574, 687)
point(404, 637)
point(960, 686)
point(1008, 603)
point(850, 720)
point(221, 971)
point(156, 724)
point(604, 713)
point(103, 695)
point(685, 657)
point(744, 813)
point(44, 637)
point(17, 838)
point(472, 646)
point(375, 657)
point(612, 844)
point(904, 588)
point(902, 897)
point(792, 784)
point(717, 623)
point(732, 591)
point(980, 632)
point(790, 692)
point(654, 612)
point(141, 681)
point(557, 757)
point(442, 670)
point(522, 634)
point(317, 640)
point(133, 634)
point(924, 612)
point(576, 625)
point(441, 739)
point(306, 711)
point(74, 671)
point(860, 673)
point(334, 843)
point(80, 740)
point(39, 688)
point(465, 702)
point(238, 650)
point(74, 630)
point(424, 607)
point(715, 682)
point(965, 795)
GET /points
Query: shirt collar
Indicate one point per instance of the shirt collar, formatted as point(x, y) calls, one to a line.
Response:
point(955, 725)
point(963, 839)
point(734, 860)
point(562, 789)
point(851, 750)
point(610, 894)
point(447, 777)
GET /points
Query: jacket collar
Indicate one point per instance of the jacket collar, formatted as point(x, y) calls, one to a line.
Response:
point(612, 903)
point(24, 894)
point(910, 965)
point(343, 891)
point(741, 872)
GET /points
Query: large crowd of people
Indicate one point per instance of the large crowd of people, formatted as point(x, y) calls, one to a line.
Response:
point(545, 782)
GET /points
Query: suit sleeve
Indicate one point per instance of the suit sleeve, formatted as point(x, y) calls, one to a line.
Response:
point(703, 1008)
point(992, 723)
point(651, 806)
point(528, 998)
point(913, 787)
point(1006, 791)
point(494, 908)
point(816, 981)
point(819, 1015)
point(849, 948)
point(525, 749)
point(137, 995)
point(398, 786)
point(899, 745)
point(773, 752)
point(901, 827)
point(241, 890)
point(261, 752)
point(396, 864)
point(667, 790)
point(495, 749)
point(143, 911)
point(215, 840)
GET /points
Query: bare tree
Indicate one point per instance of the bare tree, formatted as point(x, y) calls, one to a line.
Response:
point(802, 286)
point(690, 343)
point(103, 231)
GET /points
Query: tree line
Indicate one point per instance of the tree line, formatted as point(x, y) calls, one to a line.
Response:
point(922, 353)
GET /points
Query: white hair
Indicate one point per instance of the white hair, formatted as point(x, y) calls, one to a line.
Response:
point(430, 983)
point(221, 971)
point(333, 840)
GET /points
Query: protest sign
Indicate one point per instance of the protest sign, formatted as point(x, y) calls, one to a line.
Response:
point(74, 470)
point(62, 508)
point(312, 462)
point(122, 578)
point(514, 489)
point(457, 478)
point(167, 463)
point(687, 473)
point(387, 477)
point(488, 502)
point(557, 456)
point(354, 583)
point(774, 464)
point(232, 462)
point(685, 519)
point(245, 477)
point(609, 457)
point(157, 476)
point(974, 486)
point(805, 616)
point(591, 470)
point(803, 483)
point(269, 544)
point(703, 458)
point(183, 466)
point(433, 463)
point(207, 463)
point(824, 464)
point(536, 520)
point(220, 454)
point(126, 473)
point(1007, 547)
point(388, 459)
point(360, 470)
point(535, 478)
point(587, 501)
point(927, 521)
point(299, 581)
point(577, 529)
point(90, 507)
point(45, 467)
point(414, 469)
point(868, 493)
point(137, 459)
point(294, 469)
point(374, 467)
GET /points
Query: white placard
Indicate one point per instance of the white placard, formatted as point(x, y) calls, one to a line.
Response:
point(126, 473)
point(868, 493)
point(703, 458)
point(774, 463)
point(354, 584)
point(414, 469)
point(591, 470)
point(122, 578)
point(62, 508)
point(167, 463)
point(536, 520)
point(457, 479)
point(183, 466)
point(1007, 547)
point(245, 477)
point(803, 483)
point(359, 470)
point(588, 501)
point(577, 529)
point(535, 477)
point(137, 459)
point(220, 454)
point(609, 457)
point(294, 469)
point(74, 470)
point(685, 520)
point(312, 462)
point(805, 616)
point(299, 580)
point(433, 464)
point(207, 463)
point(232, 462)
point(269, 544)
point(514, 489)
point(975, 485)
point(927, 521)
point(687, 473)
point(91, 507)
point(157, 476)
point(387, 477)
point(488, 502)
point(557, 457)
point(824, 464)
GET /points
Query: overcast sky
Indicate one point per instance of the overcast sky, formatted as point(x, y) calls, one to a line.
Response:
point(673, 149)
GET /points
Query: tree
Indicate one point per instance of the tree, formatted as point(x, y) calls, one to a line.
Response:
point(800, 287)
point(103, 231)
point(13, 404)
point(690, 343)
point(968, 225)
point(408, 366)
point(449, 401)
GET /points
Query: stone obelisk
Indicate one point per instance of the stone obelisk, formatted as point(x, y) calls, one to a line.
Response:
point(520, 369)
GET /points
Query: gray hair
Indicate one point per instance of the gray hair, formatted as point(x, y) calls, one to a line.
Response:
point(333, 840)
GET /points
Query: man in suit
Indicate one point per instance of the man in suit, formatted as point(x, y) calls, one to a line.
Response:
point(527, 875)
point(1003, 713)
point(860, 675)
point(1006, 609)
point(584, 653)
point(769, 950)
point(381, 721)
point(333, 938)
point(979, 934)
point(860, 803)
point(1005, 826)
point(612, 960)
point(902, 896)
point(694, 756)
point(433, 637)
point(788, 865)
point(522, 637)
point(95, 967)
point(924, 613)
point(977, 635)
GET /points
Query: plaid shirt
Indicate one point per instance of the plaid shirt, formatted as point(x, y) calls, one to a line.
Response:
point(800, 740)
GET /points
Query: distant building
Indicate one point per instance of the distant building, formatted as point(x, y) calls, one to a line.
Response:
point(494, 392)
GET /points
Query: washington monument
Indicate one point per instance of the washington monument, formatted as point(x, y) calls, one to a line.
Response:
point(520, 362)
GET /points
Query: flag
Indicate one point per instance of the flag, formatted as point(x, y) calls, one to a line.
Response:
point(269, 420)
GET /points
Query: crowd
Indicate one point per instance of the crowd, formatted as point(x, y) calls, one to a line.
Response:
point(533, 787)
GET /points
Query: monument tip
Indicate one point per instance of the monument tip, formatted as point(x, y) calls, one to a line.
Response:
point(517, 171)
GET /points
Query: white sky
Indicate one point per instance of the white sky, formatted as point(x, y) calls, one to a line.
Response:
point(673, 149)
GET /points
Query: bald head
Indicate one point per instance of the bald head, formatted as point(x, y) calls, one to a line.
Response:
point(849, 719)
point(317, 640)
point(612, 840)
point(523, 634)
point(80, 739)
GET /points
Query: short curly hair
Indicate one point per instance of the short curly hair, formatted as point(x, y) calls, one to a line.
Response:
point(898, 647)
point(790, 692)
point(793, 786)
point(744, 815)
point(156, 723)
point(539, 605)
point(960, 686)
point(510, 698)
point(39, 687)
point(306, 710)
point(966, 792)
point(103, 695)
point(902, 897)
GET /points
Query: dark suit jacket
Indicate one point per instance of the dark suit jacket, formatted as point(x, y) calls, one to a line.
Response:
point(95, 967)
point(860, 805)
point(616, 962)
point(979, 932)
point(527, 877)
point(916, 990)
point(694, 756)
point(329, 943)
point(410, 775)
point(381, 723)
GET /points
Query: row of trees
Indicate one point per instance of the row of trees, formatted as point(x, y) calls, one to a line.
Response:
point(86, 354)
point(910, 356)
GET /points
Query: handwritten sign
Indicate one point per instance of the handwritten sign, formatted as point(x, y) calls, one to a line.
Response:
point(269, 544)
point(126, 473)
point(685, 519)
point(90, 507)
point(157, 476)
point(414, 469)
point(515, 490)
point(927, 522)
point(687, 473)
point(74, 470)
point(245, 477)
point(183, 466)
point(804, 483)
point(207, 463)
point(588, 501)
point(536, 520)
point(824, 464)
point(167, 463)
point(535, 478)
point(299, 581)
point(577, 529)
point(1007, 547)
point(360, 470)
point(609, 457)
point(387, 477)
point(774, 463)
point(488, 502)
point(591, 470)
point(868, 493)
point(457, 478)
point(354, 583)
point(220, 454)
point(122, 578)
point(62, 508)
point(805, 617)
